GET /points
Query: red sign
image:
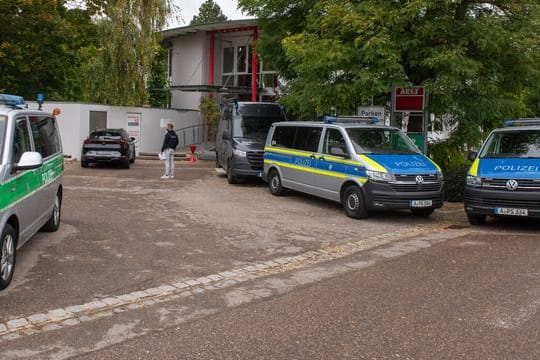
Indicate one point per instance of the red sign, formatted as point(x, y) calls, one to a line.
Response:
point(409, 99)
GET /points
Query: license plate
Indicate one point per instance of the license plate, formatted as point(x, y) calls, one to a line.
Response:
point(420, 203)
point(511, 211)
point(104, 153)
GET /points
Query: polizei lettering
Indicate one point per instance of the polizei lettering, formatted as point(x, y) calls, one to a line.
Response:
point(410, 164)
point(527, 168)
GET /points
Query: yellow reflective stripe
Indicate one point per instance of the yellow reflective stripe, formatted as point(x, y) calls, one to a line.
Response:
point(474, 167)
point(313, 171)
point(305, 153)
point(373, 164)
point(434, 164)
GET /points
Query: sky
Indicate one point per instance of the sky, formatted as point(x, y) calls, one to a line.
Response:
point(189, 8)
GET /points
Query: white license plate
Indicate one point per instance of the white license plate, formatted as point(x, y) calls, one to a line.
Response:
point(511, 211)
point(103, 153)
point(420, 203)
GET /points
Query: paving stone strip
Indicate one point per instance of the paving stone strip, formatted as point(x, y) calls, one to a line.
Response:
point(74, 315)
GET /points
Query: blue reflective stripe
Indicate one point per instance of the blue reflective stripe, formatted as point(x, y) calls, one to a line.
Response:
point(308, 163)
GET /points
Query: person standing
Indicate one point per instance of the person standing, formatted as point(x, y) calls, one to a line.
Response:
point(170, 142)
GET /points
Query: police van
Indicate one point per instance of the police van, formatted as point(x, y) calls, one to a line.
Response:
point(504, 178)
point(31, 168)
point(352, 161)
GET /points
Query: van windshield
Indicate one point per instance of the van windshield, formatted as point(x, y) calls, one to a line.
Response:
point(381, 141)
point(3, 122)
point(511, 144)
point(252, 121)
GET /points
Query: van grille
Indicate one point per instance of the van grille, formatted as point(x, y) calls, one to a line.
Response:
point(523, 184)
point(510, 203)
point(255, 159)
point(407, 183)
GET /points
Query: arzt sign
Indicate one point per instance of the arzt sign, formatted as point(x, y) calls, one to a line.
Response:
point(409, 99)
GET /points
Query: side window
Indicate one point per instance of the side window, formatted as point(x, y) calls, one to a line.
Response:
point(21, 140)
point(45, 134)
point(283, 136)
point(307, 138)
point(333, 138)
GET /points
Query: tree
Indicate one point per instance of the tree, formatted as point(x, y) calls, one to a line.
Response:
point(40, 44)
point(209, 12)
point(477, 59)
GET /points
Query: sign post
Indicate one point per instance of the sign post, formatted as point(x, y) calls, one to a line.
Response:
point(412, 100)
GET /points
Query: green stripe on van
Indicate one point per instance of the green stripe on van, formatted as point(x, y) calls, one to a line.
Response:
point(30, 181)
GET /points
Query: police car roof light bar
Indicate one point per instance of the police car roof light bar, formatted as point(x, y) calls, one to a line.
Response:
point(522, 122)
point(11, 100)
point(342, 119)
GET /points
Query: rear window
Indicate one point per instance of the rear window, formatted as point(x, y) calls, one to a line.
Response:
point(106, 134)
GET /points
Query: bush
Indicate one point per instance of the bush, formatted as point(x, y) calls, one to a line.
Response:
point(454, 166)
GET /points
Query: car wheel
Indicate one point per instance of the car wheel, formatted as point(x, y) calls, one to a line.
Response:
point(274, 183)
point(422, 212)
point(54, 221)
point(475, 219)
point(84, 164)
point(231, 179)
point(353, 202)
point(8, 255)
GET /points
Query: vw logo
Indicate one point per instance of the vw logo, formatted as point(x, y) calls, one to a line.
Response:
point(512, 185)
point(419, 179)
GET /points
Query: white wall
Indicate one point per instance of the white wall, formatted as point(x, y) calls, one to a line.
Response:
point(74, 124)
point(188, 64)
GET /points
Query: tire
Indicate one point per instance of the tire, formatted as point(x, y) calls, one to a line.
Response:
point(274, 183)
point(84, 164)
point(231, 179)
point(475, 219)
point(8, 255)
point(422, 212)
point(353, 202)
point(54, 221)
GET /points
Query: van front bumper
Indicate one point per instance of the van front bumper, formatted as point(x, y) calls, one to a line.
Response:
point(246, 166)
point(478, 201)
point(383, 196)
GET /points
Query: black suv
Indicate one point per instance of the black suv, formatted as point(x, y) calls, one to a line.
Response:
point(108, 145)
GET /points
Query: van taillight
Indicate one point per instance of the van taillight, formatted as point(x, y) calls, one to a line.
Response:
point(87, 141)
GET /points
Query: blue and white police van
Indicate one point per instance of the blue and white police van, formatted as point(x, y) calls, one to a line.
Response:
point(352, 161)
point(504, 178)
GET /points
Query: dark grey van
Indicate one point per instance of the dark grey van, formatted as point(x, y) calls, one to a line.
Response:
point(241, 135)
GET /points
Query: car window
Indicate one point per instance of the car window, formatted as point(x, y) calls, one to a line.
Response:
point(524, 144)
point(106, 134)
point(3, 123)
point(333, 138)
point(45, 134)
point(21, 140)
point(307, 138)
point(283, 136)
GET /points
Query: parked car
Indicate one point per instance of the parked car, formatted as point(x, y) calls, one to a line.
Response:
point(108, 145)
point(504, 178)
point(241, 134)
point(31, 168)
point(353, 161)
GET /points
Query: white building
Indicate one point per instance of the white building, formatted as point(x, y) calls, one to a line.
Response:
point(217, 59)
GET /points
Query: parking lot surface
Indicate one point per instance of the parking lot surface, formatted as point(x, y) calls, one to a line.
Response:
point(129, 240)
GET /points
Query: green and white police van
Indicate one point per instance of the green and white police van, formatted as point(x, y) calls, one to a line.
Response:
point(31, 168)
point(504, 178)
point(353, 161)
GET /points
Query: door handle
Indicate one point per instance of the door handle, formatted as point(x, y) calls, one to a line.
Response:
point(312, 156)
point(321, 158)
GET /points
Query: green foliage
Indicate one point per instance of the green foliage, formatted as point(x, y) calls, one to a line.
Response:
point(209, 109)
point(454, 164)
point(40, 44)
point(158, 80)
point(209, 12)
point(478, 60)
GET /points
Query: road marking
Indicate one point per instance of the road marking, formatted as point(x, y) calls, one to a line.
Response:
point(74, 315)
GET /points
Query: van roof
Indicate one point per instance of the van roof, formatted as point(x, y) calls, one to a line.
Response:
point(336, 124)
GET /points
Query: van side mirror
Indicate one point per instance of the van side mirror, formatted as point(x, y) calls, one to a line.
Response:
point(472, 155)
point(338, 151)
point(226, 135)
point(29, 160)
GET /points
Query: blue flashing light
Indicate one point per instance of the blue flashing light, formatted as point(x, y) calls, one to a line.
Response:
point(11, 100)
point(369, 120)
point(40, 98)
point(522, 122)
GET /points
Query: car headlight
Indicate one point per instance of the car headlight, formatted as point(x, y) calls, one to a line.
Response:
point(441, 176)
point(474, 180)
point(239, 153)
point(380, 176)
